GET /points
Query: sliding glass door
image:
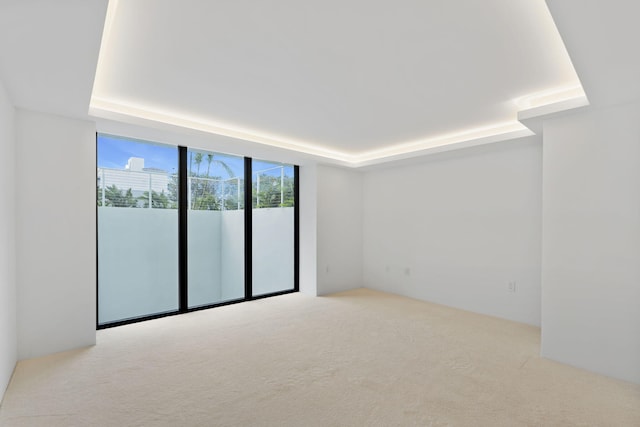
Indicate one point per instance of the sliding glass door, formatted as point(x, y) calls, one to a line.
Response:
point(181, 229)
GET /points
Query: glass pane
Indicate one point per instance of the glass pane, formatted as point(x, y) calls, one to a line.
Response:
point(137, 229)
point(273, 227)
point(215, 220)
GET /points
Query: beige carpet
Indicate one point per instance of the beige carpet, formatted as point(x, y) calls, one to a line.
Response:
point(359, 358)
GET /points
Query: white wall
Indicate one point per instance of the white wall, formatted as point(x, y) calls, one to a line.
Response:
point(8, 332)
point(339, 222)
point(591, 249)
point(457, 228)
point(308, 228)
point(55, 234)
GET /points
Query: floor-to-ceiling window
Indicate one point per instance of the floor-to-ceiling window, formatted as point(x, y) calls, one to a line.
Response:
point(174, 234)
point(273, 227)
point(137, 229)
point(215, 220)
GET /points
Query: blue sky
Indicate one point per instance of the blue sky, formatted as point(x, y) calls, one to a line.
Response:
point(114, 152)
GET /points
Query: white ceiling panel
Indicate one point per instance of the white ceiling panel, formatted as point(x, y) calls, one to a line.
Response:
point(355, 79)
point(49, 51)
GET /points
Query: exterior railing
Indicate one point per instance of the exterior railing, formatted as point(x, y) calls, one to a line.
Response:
point(214, 194)
point(158, 190)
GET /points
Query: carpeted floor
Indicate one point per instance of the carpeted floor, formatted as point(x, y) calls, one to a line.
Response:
point(359, 358)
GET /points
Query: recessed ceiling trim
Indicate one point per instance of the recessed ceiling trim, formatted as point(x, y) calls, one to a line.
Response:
point(450, 138)
point(101, 107)
point(109, 19)
point(104, 108)
point(550, 96)
point(104, 105)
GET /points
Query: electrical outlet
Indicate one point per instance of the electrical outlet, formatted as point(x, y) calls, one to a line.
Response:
point(512, 286)
point(407, 271)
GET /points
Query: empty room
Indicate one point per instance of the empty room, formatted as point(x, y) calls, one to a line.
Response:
point(319, 213)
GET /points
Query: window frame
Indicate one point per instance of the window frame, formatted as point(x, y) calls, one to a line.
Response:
point(183, 280)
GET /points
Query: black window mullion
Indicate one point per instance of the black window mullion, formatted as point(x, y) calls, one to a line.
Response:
point(296, 230)
point(248, 229)
point(183, 206)
point(97, 251)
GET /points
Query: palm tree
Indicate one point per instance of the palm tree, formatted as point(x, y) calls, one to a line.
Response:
point(204, 191)
point(226, 189)
point(198, 160)
point(209, 160)
point(225, 167)
point(204, 188)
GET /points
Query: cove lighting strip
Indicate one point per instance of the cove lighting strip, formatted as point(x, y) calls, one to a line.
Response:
point(107, 107)
point(550, 96)
point(102, 107)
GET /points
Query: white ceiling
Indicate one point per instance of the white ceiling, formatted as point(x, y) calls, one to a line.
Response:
point(349, 81)
point(344, 79)
point(603, 38)
point(49, 51)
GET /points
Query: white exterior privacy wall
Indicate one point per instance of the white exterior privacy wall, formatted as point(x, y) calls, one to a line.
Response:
point(128, 237)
